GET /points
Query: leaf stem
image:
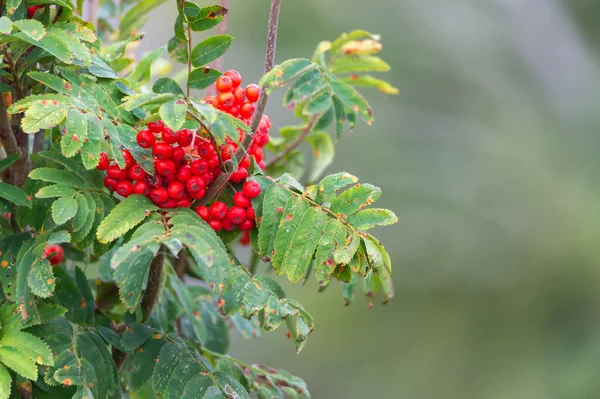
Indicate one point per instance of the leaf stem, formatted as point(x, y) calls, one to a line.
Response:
point(189, 45)
point(305, 131)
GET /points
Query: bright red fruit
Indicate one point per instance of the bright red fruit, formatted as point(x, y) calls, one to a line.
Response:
point(198, 195)
point(247, 110)
point(166, 168)
point(245, 238)
point(199, 167)
point(128, 158)
point(240, 199)
point(169, 136)
point(145, 138)
point(156, 127)
point(159, 195)
point(247, 225)
point(195, 184)
point(162, 151)
point(141, 188)
point(250, 213)
point(104, 162)
point(213, 162)
point(251, 189)
point(176, 190)
point(184, 203)
point(224, 83)
point(236, 78)
point(178, 154)
point(252, 92)
point(124, 188)
point(226, 100)
point(236, 215)
point(218, 210)
point(185, 137)
point(239, 175)
point(184, 173)
point(116, 173)
point(136, 173)
point(240, 95)
point(216, 225)
point(154, 181)
point(110, 183)
point(54, 254)
point(228, 226)
point(202, 211)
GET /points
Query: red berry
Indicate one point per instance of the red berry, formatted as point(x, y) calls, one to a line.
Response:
point(218, 210)
point(154, 181)
point(240, 199)
point(116, 173)
point(170, 203)
point(212, 100)
point(136, 173)
point(240, 95)
point(166, 168)
point(208, 177)
point(236, 78)
point(258, 154)
point(178, 154)
point(236, 215)
point(198, 195)
point(216, 225)
point(31, 11)
point(128, 158)
point(226, 100)
point(104, 162)
point(176, 190)
point(156, 127)
point(199, 167)
point(162, 151)
point(251, 189)
point(159, 195)
point(252, 92)
point(169, 136)
point(245, 163)
point(239, 175)
point(224, 83)
point(184, 173)
point(228, 226)
point(261, 164)
point(213, 162)
point(195, 184)
point(185, 137)
point(169, 179)
point(235, 110)
point(245, 238)
point(54, 254)
point(247, 225)
point(205, 150)
point(202, 211)
point(124, 188)
point(145, 138)
point(184, 203)
point(141, 188)
point(250, 213)
point(247, 110)
point(110, 183)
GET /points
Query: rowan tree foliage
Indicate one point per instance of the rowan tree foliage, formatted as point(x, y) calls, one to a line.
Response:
point(125, 199)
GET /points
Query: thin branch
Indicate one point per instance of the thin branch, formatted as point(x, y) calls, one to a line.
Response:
point(305, 131)
point(217, 186)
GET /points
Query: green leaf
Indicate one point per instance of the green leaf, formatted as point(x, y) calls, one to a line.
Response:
point(369, 218)
point(347, 37)
point(170, 355)
point(372, 82)
point(79, 51)
point(207, 17)
point(167, 85)
point(379, 260)
point(60, 236)
point(359, 63)
point(33, 347)
point(330, 184)
point(285, 72)
point(318, 104)
point(184, 371)
point(56, 190)
point(197, 387)
point(352, 99)
point(334, 236)
point(69, 295)
point(342, 254)
point(290, 220)
point(9, 160)
point(41, 279)
point(201, 78)
point(5, 378)
point(136, 17)
point(14, 195)
point(5, 28)
point(141, 365)
point(75, 133)
point(210, 49)
point(230, 386)
point(98, 67)
point(64, 209)
point(57, 176)
point(18, 362)
point(141, 75)
point(43, 114)
point(12, 5)
point(131, 275)
point(173, 114)
point(139, 100)
point(125, 216)
point(50, 43)
point(355, 198)
point(134, 336)
point(90, 152)
point(178, 50)
point(323, 153)
point(274, 200)
point(31, 27)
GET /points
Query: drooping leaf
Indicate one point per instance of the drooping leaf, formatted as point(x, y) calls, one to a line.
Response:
point(334, 235)
point(31, 27)
point(274, 201)
point(371, 82)
point(207, 17)
point(126, 215)
point(14, 195)
point(355, 198)
point(166, 85)
point(210, 49)
point(41, 279)
point(9, 160)
point(323, 153)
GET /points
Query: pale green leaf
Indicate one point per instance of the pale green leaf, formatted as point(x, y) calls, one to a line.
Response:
point(75, 133)
point(57, 176)
point(355, 198)
point(63, 209)
point(323, 153)
point(274, 201)
point(369, 218)
point(18, 362)
point(334, 236)
point(41, 279)
point(125, 216)
point(290, 220)
point(342, 254)
point(43, 114)
point(173, 114)
point(359, 63)
point(372, 82)
point(5, 378)
point(90, 152)
point(5, 28)
point(56, 190)
point(31, 27)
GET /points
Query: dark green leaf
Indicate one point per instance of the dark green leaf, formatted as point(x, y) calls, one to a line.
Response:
point(58, 176)
point(167, 85)
point(9, 160)
point(124, 217)
point(14, 195)
point(64, 209)
point(207, 17)
point(201, 78)
point(210, 49)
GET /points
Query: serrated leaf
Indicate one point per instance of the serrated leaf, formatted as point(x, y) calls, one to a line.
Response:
point(232, 388)
point(178, 50)
point(141, 75)
point(140, 100)
point(170, 355)
point(131, 275)
point(79, 51)
point(58, 176)
point(318, 104)
point(342, 254)
point(285, 72)
point(347, 37)
point(82, 212)
point(6, 162)
point(210, 49)
point(5, 28)
point(31, 27)
point(141, 365)
point(126, 215)
point(50, 43)
point(330, 184)
point(173, 114)
point(63, 209)
point(207, 17)
point(12, 5)
point(43, 114)
point(59, 237)
point(197, 386)
point(18, 362)
point(69, 295)
point(290, 220)
point(372, 82)
point(56, 190)
point(355, 198)
point(90, 152)
point(184, 371)
point(14, 195)
point(31, 346)
point(201, 78)
point(5, 378)
point(369, 218)
point(75, 133)
point(352, 99)
point(359, 63)
point(274, 201)
point(334, 236)
point(323, 153)
point(381, 264)
point(41, 279)
point(166, 85)
point(100, 68)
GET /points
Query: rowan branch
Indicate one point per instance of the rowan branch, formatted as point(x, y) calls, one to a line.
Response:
point(19, 169)
point(305, 131)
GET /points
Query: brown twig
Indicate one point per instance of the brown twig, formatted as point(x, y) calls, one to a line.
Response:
point(305, 131)
point(154, 282)
point(217, 186)
point(19, 169)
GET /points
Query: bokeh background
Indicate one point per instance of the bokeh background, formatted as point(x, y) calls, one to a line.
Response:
point(489, 157)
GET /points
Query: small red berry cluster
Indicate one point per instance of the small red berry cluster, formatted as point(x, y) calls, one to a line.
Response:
point(240, 215)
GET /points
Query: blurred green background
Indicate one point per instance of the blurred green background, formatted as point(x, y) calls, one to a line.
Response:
point(489, 158)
